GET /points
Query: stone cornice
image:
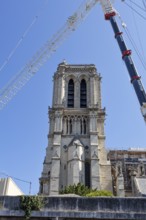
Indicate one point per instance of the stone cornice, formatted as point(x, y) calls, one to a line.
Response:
point(101, 137)
point(58, 132)
point(75, 158)
point(72, 135)
point(93, 132)
point(63, 67)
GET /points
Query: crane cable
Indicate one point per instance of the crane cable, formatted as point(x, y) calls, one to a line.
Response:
point(24, 181)
point(143, 9)
point(138, 35)
point(135, 11)
point(144, 3)
point(135, 48)
point(141, 56)
point(132, 42)
point(23, 36)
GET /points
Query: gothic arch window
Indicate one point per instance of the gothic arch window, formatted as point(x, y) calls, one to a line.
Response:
point(83, 94)
point(81, 126)
point(70, 103)
point(70, 122)
point(84, 124)
point(67, 127)
point(87, 173)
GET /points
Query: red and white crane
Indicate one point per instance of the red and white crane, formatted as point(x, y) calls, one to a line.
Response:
point(110, 14)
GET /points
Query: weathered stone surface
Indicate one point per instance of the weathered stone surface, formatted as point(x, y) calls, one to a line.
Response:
point(140, 186)
point(76, 151)
point(78, 208)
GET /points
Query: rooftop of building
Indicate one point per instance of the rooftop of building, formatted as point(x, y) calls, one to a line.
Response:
point(8, 187)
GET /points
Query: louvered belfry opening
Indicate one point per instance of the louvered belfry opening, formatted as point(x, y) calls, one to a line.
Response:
point(70, 94)
point(83, 94)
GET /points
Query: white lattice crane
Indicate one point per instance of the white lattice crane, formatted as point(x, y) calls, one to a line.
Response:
point(44, 53)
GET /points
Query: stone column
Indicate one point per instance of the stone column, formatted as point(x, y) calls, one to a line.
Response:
point(92, 90)
point(120, 182)
point(95, 175)
point(120, 186)
point(68, 124)
point(74, 125)
point(51, 121)
point(76, 159)
point(55, 174)
point(77, 94)
point(63, 91)
point(55, 164)
point(55, 92)
point(97, 95)
point(58, 121)
point(59, 90)
point(65, 125)
point(93, 122)
point(134, 189)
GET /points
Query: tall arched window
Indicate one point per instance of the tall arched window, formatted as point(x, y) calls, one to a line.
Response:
point(87, 174)
point(83, 94)
point(84, 124)
point(70, 94)
point(70, 122)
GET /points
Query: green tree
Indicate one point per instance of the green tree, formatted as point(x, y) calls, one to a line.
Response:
point(82, 190)
point(30, 203)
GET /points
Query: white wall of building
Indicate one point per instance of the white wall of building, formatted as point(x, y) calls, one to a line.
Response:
point(9, 188)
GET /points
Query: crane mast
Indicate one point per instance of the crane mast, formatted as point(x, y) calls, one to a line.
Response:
point(110, 14)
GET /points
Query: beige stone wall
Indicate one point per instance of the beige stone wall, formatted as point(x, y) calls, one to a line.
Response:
point(76, 135)
point(105, 177)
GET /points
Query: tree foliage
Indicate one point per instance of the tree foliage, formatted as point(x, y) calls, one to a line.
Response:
point(99, 193)
point(30, 203)
point(82, 190)
point(78, 189)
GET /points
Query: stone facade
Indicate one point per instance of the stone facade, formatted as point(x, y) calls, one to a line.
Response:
point(128, 171)
point(76, 151)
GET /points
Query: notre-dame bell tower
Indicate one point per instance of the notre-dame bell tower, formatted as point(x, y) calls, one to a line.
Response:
point(76, 151)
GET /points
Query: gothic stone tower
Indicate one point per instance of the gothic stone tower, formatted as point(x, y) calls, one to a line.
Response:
point(76, 151)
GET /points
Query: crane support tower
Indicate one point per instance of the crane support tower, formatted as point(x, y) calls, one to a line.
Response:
point(110, 14)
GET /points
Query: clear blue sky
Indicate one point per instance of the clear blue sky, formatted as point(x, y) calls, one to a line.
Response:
point(24, 121)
